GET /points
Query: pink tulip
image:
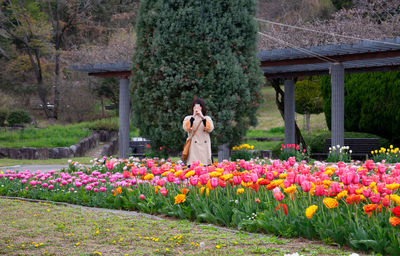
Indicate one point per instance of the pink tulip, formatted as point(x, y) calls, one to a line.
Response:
point(366, 192)
point(385, 202)
point(170, 177)
point(287, 183)
point(335, 186)
point(319, 190)
point(163, 191)
point(44, 185)
point(150, 163)
point(194, 180)
point(103, 189)
point(222, 183)
point(204, 179)
point(292, 161)
point(214, 182)
point(161, 182)
point(237, 180)
point(269, 175)
point(142, 197)
point(306, 186)
point(279, 196)
point(51, 187)
point(356, 179)
point(110, 165)
point(382, 168)
point(95, 189)
point(246, 178)
point(369, 164)
point(375, 198)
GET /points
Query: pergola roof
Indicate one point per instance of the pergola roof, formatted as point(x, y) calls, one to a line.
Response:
point(368, 56)
point(105, 69)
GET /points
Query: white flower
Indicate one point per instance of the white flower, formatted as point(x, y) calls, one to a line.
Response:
point(338, 146)
point(354, 254)
point(293, 254)
point(201, 244)
point(236, 201)
point(351, 151)
point(69, 161)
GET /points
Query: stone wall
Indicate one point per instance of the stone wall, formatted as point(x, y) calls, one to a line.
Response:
point(76, 150)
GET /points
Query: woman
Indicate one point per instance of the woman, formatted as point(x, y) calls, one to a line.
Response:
point(200, 147)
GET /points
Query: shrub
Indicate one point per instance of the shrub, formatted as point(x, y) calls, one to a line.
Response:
point(390, 155)
point(181, 52)
point(371, 103)
point(3, 117)
point(317, 141)
point(297, 151)
point(337, 154)
point(242, 152)
point(18, 117)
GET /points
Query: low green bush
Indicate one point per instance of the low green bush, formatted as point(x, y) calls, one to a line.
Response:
point(18, 117)
point(317, 141)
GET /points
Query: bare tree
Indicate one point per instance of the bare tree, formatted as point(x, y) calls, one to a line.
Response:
point(34, 34)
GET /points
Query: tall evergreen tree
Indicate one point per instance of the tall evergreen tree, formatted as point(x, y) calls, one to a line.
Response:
point(188, 47)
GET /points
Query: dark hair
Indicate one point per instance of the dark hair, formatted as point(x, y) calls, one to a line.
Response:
point(202, 104)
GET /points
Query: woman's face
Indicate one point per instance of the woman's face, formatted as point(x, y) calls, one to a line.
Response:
point(197, 107)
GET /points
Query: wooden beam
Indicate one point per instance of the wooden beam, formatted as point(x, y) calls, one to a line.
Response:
point(338, 58)
point(112, 74)
point(326, 72)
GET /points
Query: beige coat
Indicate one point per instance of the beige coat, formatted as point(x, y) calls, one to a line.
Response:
point(200, 148)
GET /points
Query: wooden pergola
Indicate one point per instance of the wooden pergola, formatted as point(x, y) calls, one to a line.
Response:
point(123, 71)
point(336, 60)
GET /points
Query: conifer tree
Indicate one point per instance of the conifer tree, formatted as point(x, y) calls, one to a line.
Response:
point(188, 48)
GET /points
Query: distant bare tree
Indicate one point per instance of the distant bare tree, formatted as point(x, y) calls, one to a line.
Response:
point(368, 19)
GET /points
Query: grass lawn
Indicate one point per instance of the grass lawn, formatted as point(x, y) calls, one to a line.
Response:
point(11, 162)
point(269, 116)
point(47, 229)
point(53, 136)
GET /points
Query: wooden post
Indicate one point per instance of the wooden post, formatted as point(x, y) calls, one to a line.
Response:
point(223, 152)
point(289, 115)
point(123, 135)
point(337, 124)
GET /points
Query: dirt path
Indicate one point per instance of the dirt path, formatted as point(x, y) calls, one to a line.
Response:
point(96, 152)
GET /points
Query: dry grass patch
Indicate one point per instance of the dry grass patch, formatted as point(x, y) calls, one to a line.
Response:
point(46, 229)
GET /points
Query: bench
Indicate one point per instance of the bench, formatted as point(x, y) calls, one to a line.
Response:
point(360, 147)
point(138, 146)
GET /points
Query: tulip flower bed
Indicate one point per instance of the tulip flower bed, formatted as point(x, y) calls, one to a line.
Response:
point(356, 205)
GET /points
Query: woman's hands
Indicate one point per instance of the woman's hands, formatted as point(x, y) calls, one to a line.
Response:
point(197, 111)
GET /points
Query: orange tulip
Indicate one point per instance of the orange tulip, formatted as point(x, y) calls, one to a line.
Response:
point(180, 198)
point(330, 203)
point(394, 221)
